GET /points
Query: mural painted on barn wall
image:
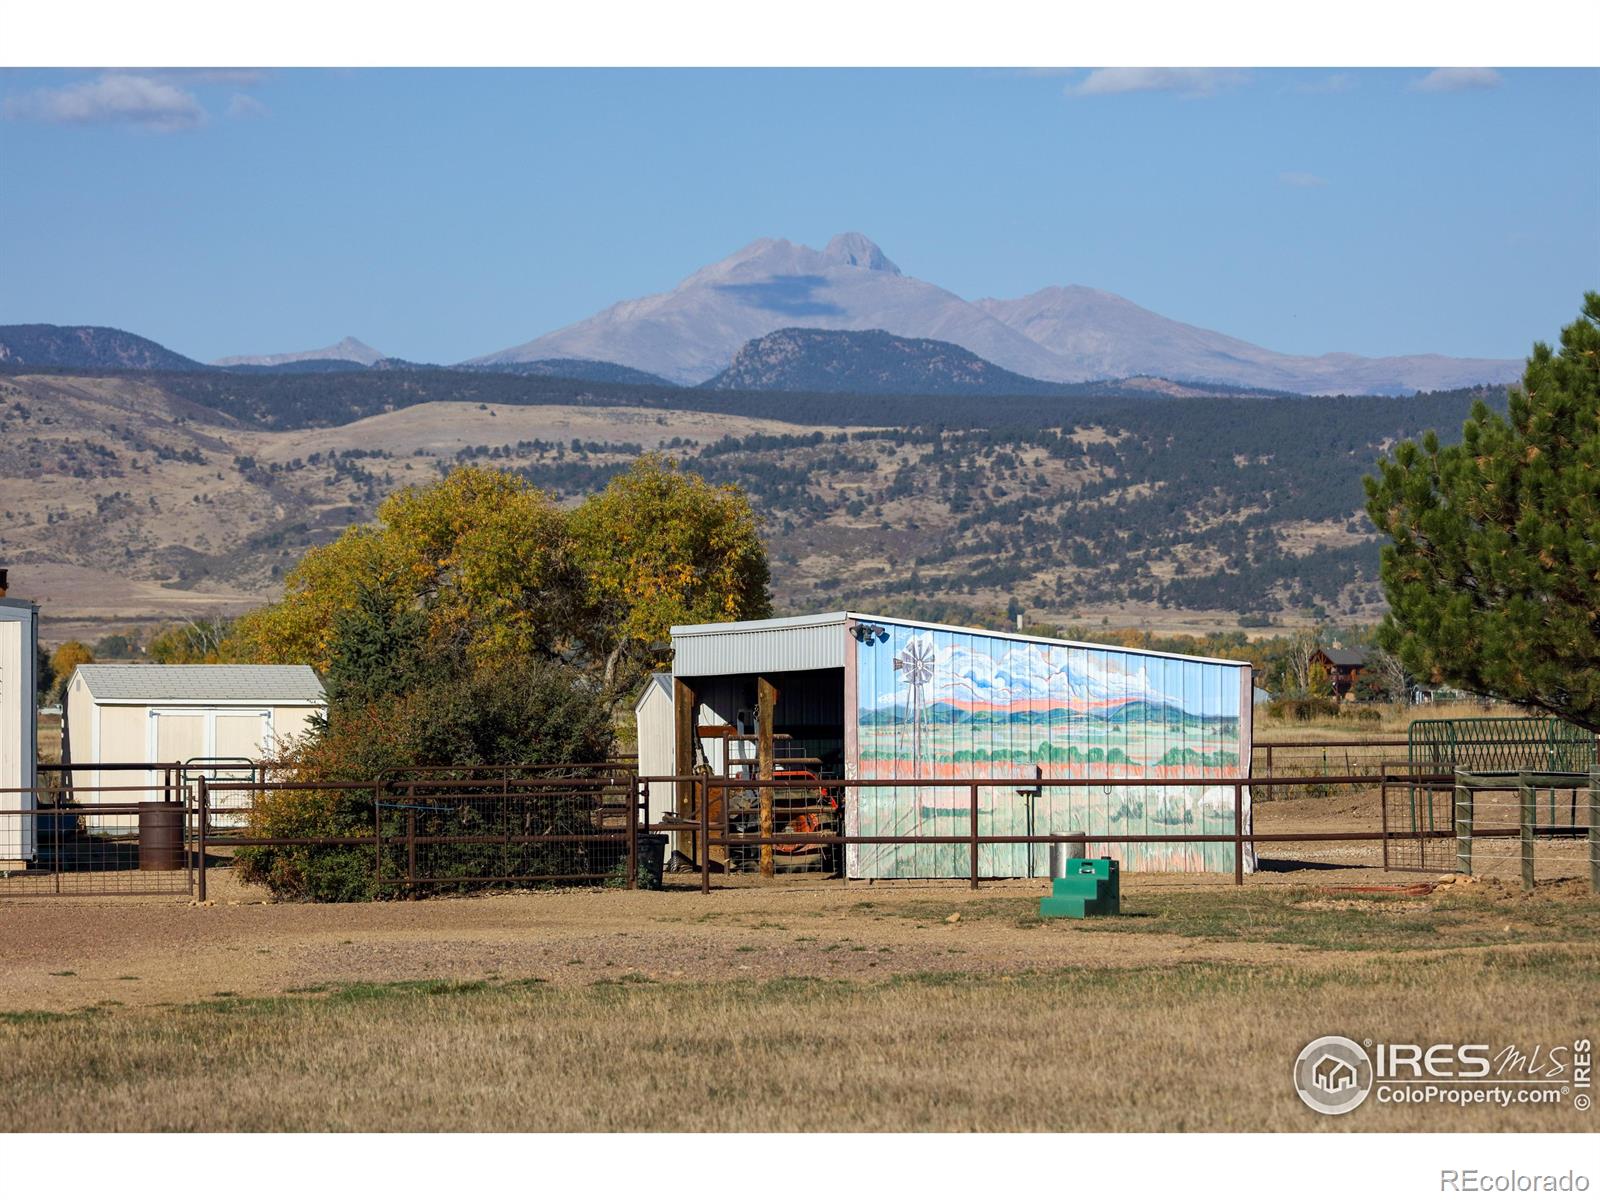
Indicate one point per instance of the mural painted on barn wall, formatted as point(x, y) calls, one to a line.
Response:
point(937, 704)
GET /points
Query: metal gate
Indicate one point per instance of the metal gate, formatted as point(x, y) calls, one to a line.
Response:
point(101, 839)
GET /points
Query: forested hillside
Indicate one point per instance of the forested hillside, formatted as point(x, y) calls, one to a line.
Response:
point(937, 506)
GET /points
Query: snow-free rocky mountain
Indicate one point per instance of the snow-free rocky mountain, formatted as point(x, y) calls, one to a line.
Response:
point(1061, 334)
point(347, 350)
point(86, 347)
point(868, 362)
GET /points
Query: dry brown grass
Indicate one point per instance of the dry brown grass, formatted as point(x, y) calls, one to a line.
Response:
point(1179, 1048)
point(1193, 1028)
point(1393, 721)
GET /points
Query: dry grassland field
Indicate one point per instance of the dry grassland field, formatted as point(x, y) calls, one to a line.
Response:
point(799, 1005)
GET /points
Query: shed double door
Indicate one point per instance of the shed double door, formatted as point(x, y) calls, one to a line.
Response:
point(183, 735)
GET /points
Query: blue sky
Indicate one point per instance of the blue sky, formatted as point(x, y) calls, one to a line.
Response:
point(443, 214)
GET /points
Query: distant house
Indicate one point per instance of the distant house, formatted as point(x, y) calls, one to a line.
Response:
point(1344, 667)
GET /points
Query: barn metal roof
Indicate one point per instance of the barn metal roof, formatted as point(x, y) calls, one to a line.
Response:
point(211, 683)
point(817, 641)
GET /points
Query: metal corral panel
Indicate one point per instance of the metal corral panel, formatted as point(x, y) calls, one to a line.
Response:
point(759, 647)
point(19, 626)
point(936, 702)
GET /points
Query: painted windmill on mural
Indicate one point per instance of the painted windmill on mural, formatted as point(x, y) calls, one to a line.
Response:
point(915, 662)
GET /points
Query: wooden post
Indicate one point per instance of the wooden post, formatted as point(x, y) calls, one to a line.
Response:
point(684, 704)
point(766, 708)
point(1463, 815)
point(1594, 832)
point(1530, 817)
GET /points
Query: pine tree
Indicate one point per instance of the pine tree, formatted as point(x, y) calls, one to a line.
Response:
point(1493, 571)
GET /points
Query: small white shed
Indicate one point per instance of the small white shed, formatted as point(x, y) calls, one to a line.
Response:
point(19, 716)
point(150, 713)
point(657, 747)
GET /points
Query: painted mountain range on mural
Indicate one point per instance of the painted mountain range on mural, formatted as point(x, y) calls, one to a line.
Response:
point(1066, 334)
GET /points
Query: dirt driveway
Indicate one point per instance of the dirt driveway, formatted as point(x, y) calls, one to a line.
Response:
point(62, 954)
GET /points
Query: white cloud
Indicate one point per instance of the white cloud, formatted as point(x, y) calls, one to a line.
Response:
point(1302, 179)
point(112, 98)
point(1458, 79)
point(1185, 81)
point(1339, 81)
point(241, 105)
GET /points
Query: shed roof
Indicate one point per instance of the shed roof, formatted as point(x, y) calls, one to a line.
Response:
point(801, 643)
point(210, 683)
point(659, 681)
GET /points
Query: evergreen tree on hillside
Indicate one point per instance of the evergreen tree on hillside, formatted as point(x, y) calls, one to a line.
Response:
point(1493, 571)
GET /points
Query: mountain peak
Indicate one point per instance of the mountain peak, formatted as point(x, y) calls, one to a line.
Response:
point(858, 250)
point(347, 350)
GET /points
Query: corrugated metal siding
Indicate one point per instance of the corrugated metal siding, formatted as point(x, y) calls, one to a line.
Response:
point(657, 742)
point(998, 706)
point(762, 648)
point(19, 631)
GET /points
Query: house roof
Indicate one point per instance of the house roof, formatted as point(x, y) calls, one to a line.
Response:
point(244, 683)
point(1346, 658)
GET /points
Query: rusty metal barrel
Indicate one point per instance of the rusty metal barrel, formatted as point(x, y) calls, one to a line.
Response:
point(160, 836)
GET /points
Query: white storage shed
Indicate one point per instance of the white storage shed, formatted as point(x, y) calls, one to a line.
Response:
point(19, 716)
point(148, 713)
point(657, 749)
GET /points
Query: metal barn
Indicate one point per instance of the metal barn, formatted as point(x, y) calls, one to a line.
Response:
point(855, 696)
point(19, 715)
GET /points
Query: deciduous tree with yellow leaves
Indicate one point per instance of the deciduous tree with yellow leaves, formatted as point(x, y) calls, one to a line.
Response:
point(501, 572)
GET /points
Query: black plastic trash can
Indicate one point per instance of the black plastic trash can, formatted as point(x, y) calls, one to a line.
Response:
point(652, 857)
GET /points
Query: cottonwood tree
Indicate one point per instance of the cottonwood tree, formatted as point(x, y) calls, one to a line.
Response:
point(662, 547)
point(1493, 568)
point(491, 570)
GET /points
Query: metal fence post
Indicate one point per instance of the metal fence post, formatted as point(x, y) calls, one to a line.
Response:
point(1530, 816)
point(411, 853)
point(202, 805)
point(1463, 815)
point(1238, 835)
point(377, 839)
point(635, 794)
point(1383, 809)
point(705, 832)
point(974, 798)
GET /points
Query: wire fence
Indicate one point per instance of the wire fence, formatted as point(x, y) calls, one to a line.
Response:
point(451, 829)
point(1295, 770)
point(1528, 824)
point(428, 830)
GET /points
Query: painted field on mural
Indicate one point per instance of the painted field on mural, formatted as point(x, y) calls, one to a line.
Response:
point(951, 704)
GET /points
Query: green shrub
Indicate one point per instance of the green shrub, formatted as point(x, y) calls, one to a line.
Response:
point(1303, 708)
point(526, 711)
